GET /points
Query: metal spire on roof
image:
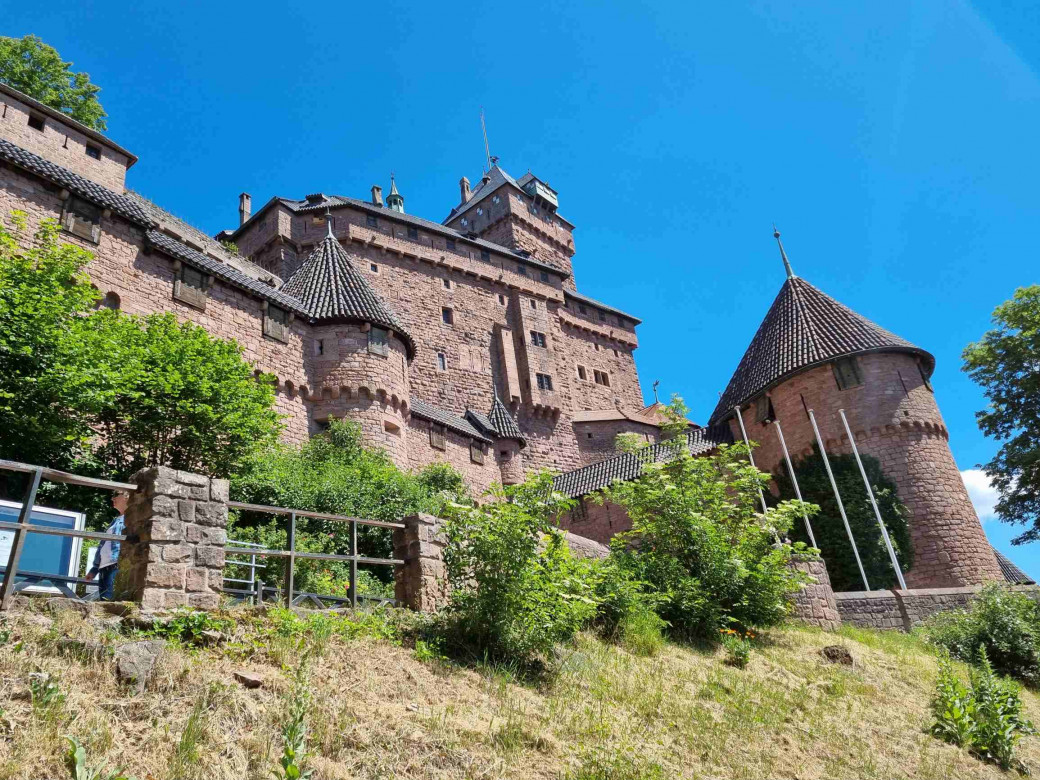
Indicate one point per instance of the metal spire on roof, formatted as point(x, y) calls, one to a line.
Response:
point(393, 185)
point(783, 254)
point(656, 383)
point(328, 221)
point(487, 148)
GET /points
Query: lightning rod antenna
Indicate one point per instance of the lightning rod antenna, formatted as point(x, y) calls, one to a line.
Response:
point(487, 148)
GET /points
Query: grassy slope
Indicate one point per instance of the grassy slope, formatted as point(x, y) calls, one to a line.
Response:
point(380, 713)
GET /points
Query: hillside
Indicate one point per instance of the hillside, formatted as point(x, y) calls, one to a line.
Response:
point(380, 712)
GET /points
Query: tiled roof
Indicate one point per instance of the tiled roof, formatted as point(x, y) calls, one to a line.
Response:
point(331, 288)
point(448, 420)
point(593, 302)
point(74, 183)
point(504, 422)
point(496, 178)
point(629, 465)
point(176, 249)
point(1012, 574)
point(803, 328)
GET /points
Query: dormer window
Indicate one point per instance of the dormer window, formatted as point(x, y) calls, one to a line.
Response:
point(371, 221)
point(93, 152)
point(36, 122)
point(846, 373)
point(413, 234)
point(764, 410)
point(437, 436)
point(544, 276)
point(485, 255)
point(449, 244)
point(378, 341)
point(476, 453)
point(190, 285)
point(82, 219)
point(276, 323)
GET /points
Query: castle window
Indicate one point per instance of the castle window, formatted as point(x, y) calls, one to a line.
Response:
point(322, 425)
point(602, 317)
point(764, 409)
point(581, 308)
point(581, 512)
point(449, 244)
point(391, 427)
point(476, 452)
point(442, 362)
point(616, 353)
point(82, 219)
point(36, 122)
point(110, 301)
point(846, 373)
point(413, 233)
point(588, 435)
point(318, 221)
point(374, 268)
point(582, 374)
point(522, 270)
point(319, 347)
point(189, 286)
point(502, 299)
point(372, 221)
point(544, 381)
point(496, 200)
point(485, 255)
point(437, 436)
point(534, 304)
point(93, 151)
point(544, 276)
point(447, 316)
point(378, 341)
point(537, 339)
point(464, 222)
point(447, 284)
point(276, 323)
point(924, 377)
point(601, 378)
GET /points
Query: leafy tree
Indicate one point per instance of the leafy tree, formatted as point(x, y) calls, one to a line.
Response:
point(1006, 363)
point(516, 589)
point(31, 66)
point(43, 294)
point(829, 530)
point(698, 540)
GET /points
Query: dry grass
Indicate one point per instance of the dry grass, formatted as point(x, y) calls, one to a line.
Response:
point(379, 713)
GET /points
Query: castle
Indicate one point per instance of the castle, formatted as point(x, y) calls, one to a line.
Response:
point(467, 341)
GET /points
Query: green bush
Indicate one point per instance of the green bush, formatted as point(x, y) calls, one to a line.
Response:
point(626, 610)
point(829, 530)
point(516, 589)
point(699, 541)
point(1005, 623)
point(986, 718)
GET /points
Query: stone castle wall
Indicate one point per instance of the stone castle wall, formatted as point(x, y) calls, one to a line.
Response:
point(895, 419)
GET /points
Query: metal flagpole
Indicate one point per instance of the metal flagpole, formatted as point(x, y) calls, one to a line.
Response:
point(837, 496)
point(873, 502)
point(794, 480)
point(751, 458)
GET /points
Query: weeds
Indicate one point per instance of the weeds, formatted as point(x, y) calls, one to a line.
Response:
point(190, 626)
point(601, 765)
point(294, 729)
point(185, 764)
point(45, 694)
point(642, 632)
point(737, 645)
point(76, 762)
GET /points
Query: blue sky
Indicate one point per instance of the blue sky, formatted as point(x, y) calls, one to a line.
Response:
point(893, 143)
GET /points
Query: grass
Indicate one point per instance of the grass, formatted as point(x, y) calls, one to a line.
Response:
point(379, 711)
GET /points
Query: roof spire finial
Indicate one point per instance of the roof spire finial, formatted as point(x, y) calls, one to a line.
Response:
point(783, 254)
point(328, 220)
point(656, 383)
point(487, 148)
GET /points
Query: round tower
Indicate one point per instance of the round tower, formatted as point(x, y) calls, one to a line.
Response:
point(358, 354)
point(813, 353)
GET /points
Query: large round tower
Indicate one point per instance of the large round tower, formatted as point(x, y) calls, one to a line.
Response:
point(813, 353)
point(357, 360)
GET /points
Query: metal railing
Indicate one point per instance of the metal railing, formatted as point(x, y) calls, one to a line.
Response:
point(292, 596)
point(23, 527)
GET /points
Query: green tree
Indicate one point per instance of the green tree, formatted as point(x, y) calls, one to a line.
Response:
point(829, 529)
point(699, 541)
point(1006, 363)
point(44, 375)
point(31, 66)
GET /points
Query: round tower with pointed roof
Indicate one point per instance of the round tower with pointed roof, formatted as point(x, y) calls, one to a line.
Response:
point(357, 361)
point(813, 353)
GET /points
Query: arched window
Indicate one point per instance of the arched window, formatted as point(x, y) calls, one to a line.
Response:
point(111, 301)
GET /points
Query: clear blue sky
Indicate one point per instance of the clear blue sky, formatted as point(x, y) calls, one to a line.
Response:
point(895, 145)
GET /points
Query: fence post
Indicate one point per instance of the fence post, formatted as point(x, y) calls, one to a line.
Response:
point(7, 588)
point(353, 564)
point(421, 582)
point(290, 569)
point(258, 599)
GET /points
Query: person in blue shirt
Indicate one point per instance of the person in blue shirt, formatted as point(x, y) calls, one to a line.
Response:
point(106, 556)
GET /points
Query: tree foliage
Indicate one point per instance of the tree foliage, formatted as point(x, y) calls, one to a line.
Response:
point(698, 540)
point(1006, 363)
point(829, 529)
point(31, 66)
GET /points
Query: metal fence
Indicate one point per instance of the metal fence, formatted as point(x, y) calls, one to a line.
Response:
point(293, 597)
point(37, 474)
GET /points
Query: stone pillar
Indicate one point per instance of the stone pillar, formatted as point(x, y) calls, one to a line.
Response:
point(815, 603)
point(176, 528)
point(421, 583)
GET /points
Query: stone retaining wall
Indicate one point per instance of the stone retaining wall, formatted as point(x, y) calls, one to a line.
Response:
point(906, 609)
point(815, 604)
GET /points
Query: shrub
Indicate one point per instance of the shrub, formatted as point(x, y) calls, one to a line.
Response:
point(737, 645)
point(700, 542)
point(1006, 624)
point(516, 589)
point(829, 529)
point(986, 719)
point(626, 610)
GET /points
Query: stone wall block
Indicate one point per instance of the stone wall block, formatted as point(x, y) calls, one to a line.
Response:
point(166, 529)
point(211, 557)
point(162, 575)
point(211, 513)
point(219, 490)
point(421, 583)
point(176, 553)
point(815, 603)
point(196, 581)
point(186, 511)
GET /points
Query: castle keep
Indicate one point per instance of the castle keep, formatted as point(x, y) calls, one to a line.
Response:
point(467, 340)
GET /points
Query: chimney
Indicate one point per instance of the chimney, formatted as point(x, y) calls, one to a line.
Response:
point(245, 208)
point(377, 195)
point(464, 188)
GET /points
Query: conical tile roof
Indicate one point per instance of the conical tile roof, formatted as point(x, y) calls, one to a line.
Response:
point(498, 423)
point(803, 328)
point(332, 289)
